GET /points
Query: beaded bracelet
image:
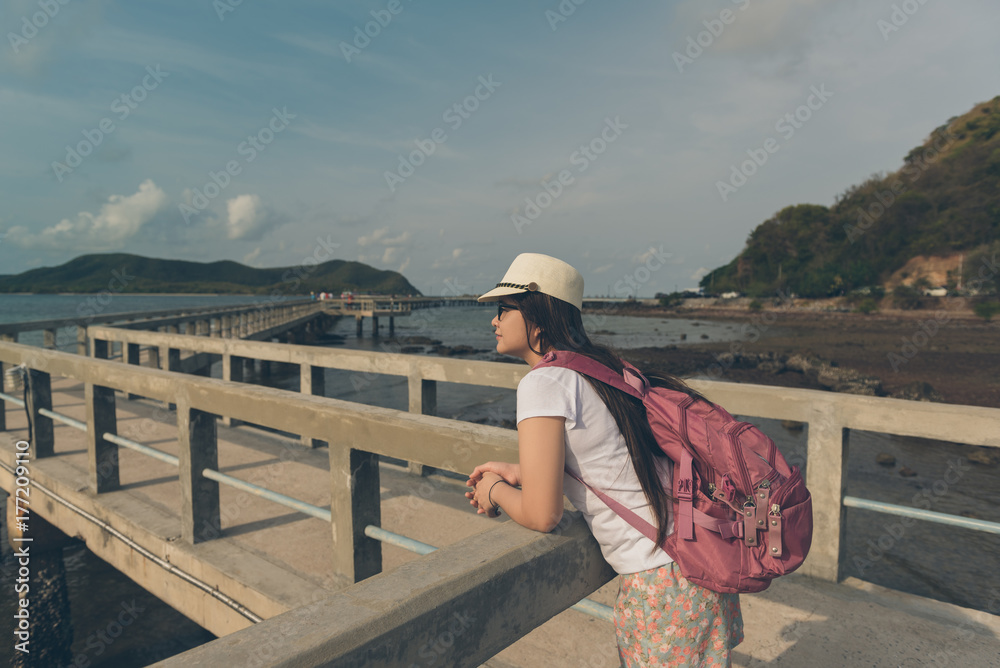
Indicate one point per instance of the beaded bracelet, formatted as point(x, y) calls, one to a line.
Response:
point(489, 497)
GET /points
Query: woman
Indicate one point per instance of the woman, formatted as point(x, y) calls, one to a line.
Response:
point(568, 421)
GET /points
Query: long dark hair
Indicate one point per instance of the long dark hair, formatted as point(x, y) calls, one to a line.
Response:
point(560, 327)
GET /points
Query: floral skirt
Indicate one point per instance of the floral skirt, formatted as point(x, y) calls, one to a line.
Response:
point(661, 619)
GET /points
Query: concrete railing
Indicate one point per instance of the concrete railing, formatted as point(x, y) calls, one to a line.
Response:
point(213, 317)
point(830, 416)
point(459, 590)
point(357, 436)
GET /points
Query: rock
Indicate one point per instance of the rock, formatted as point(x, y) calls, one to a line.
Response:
point(907, 472)
point(985, 456)
point(684, 337)
point(918, 391)
point(704, 336)
point(885, 459)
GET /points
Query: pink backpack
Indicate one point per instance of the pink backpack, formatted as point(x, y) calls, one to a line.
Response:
point(741, 516)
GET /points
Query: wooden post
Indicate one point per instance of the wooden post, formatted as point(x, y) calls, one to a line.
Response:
point(423, 399)
point(375, 326)
point(312, 381)
point(355, 503)
point(826, 478)
point(39, 397)
point(198, 449)
point(358, 320)
point(49, 339)
point(392, 326)
point(102, 455)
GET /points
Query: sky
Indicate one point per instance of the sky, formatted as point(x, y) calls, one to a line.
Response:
point(641, 142)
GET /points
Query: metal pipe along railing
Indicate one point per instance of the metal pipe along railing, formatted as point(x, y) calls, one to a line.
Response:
point(920, 514)
point(264, 493)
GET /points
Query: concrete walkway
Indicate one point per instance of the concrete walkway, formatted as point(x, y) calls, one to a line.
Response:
point(797, 622)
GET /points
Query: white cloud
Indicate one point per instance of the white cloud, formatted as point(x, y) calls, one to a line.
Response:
point(247, 218)
point(250, 257)
point(118, 221)
point(701, 272)
point(380, 236)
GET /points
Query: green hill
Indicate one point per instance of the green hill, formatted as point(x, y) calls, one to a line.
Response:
point(125, 273)
point(945, 198)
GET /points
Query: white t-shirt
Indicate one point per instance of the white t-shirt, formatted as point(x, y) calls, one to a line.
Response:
point(596, 451)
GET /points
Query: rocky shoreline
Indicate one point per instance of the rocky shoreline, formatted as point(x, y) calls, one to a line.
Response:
point(923, 355)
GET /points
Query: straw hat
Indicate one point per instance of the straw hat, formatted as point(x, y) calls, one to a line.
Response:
point(535, 272)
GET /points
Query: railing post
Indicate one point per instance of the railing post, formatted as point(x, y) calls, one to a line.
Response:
point(132, 354)
point(312, 380)
point(3, 404)
point(49, 339)
point(826, 478)
point(173, 365)
point(355, 503)
point(39, 397)
point(102, 455)
point(423, 400)
point(99, 349)
point(198, 449)
point(81, 340)
point(232, 370)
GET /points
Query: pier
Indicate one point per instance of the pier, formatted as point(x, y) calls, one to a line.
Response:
point(274, 538)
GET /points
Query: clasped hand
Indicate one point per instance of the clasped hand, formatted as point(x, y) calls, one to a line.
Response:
point(482, 479)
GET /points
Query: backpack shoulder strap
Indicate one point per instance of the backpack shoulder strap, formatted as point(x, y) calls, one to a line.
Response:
point(594, 369)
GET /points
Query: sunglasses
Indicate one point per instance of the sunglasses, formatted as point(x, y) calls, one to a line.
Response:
point(501, 307)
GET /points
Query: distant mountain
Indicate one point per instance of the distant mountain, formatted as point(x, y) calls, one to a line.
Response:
point(944, 199)
point(123, 272)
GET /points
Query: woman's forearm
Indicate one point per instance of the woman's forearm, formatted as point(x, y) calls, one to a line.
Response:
point(511, 500)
